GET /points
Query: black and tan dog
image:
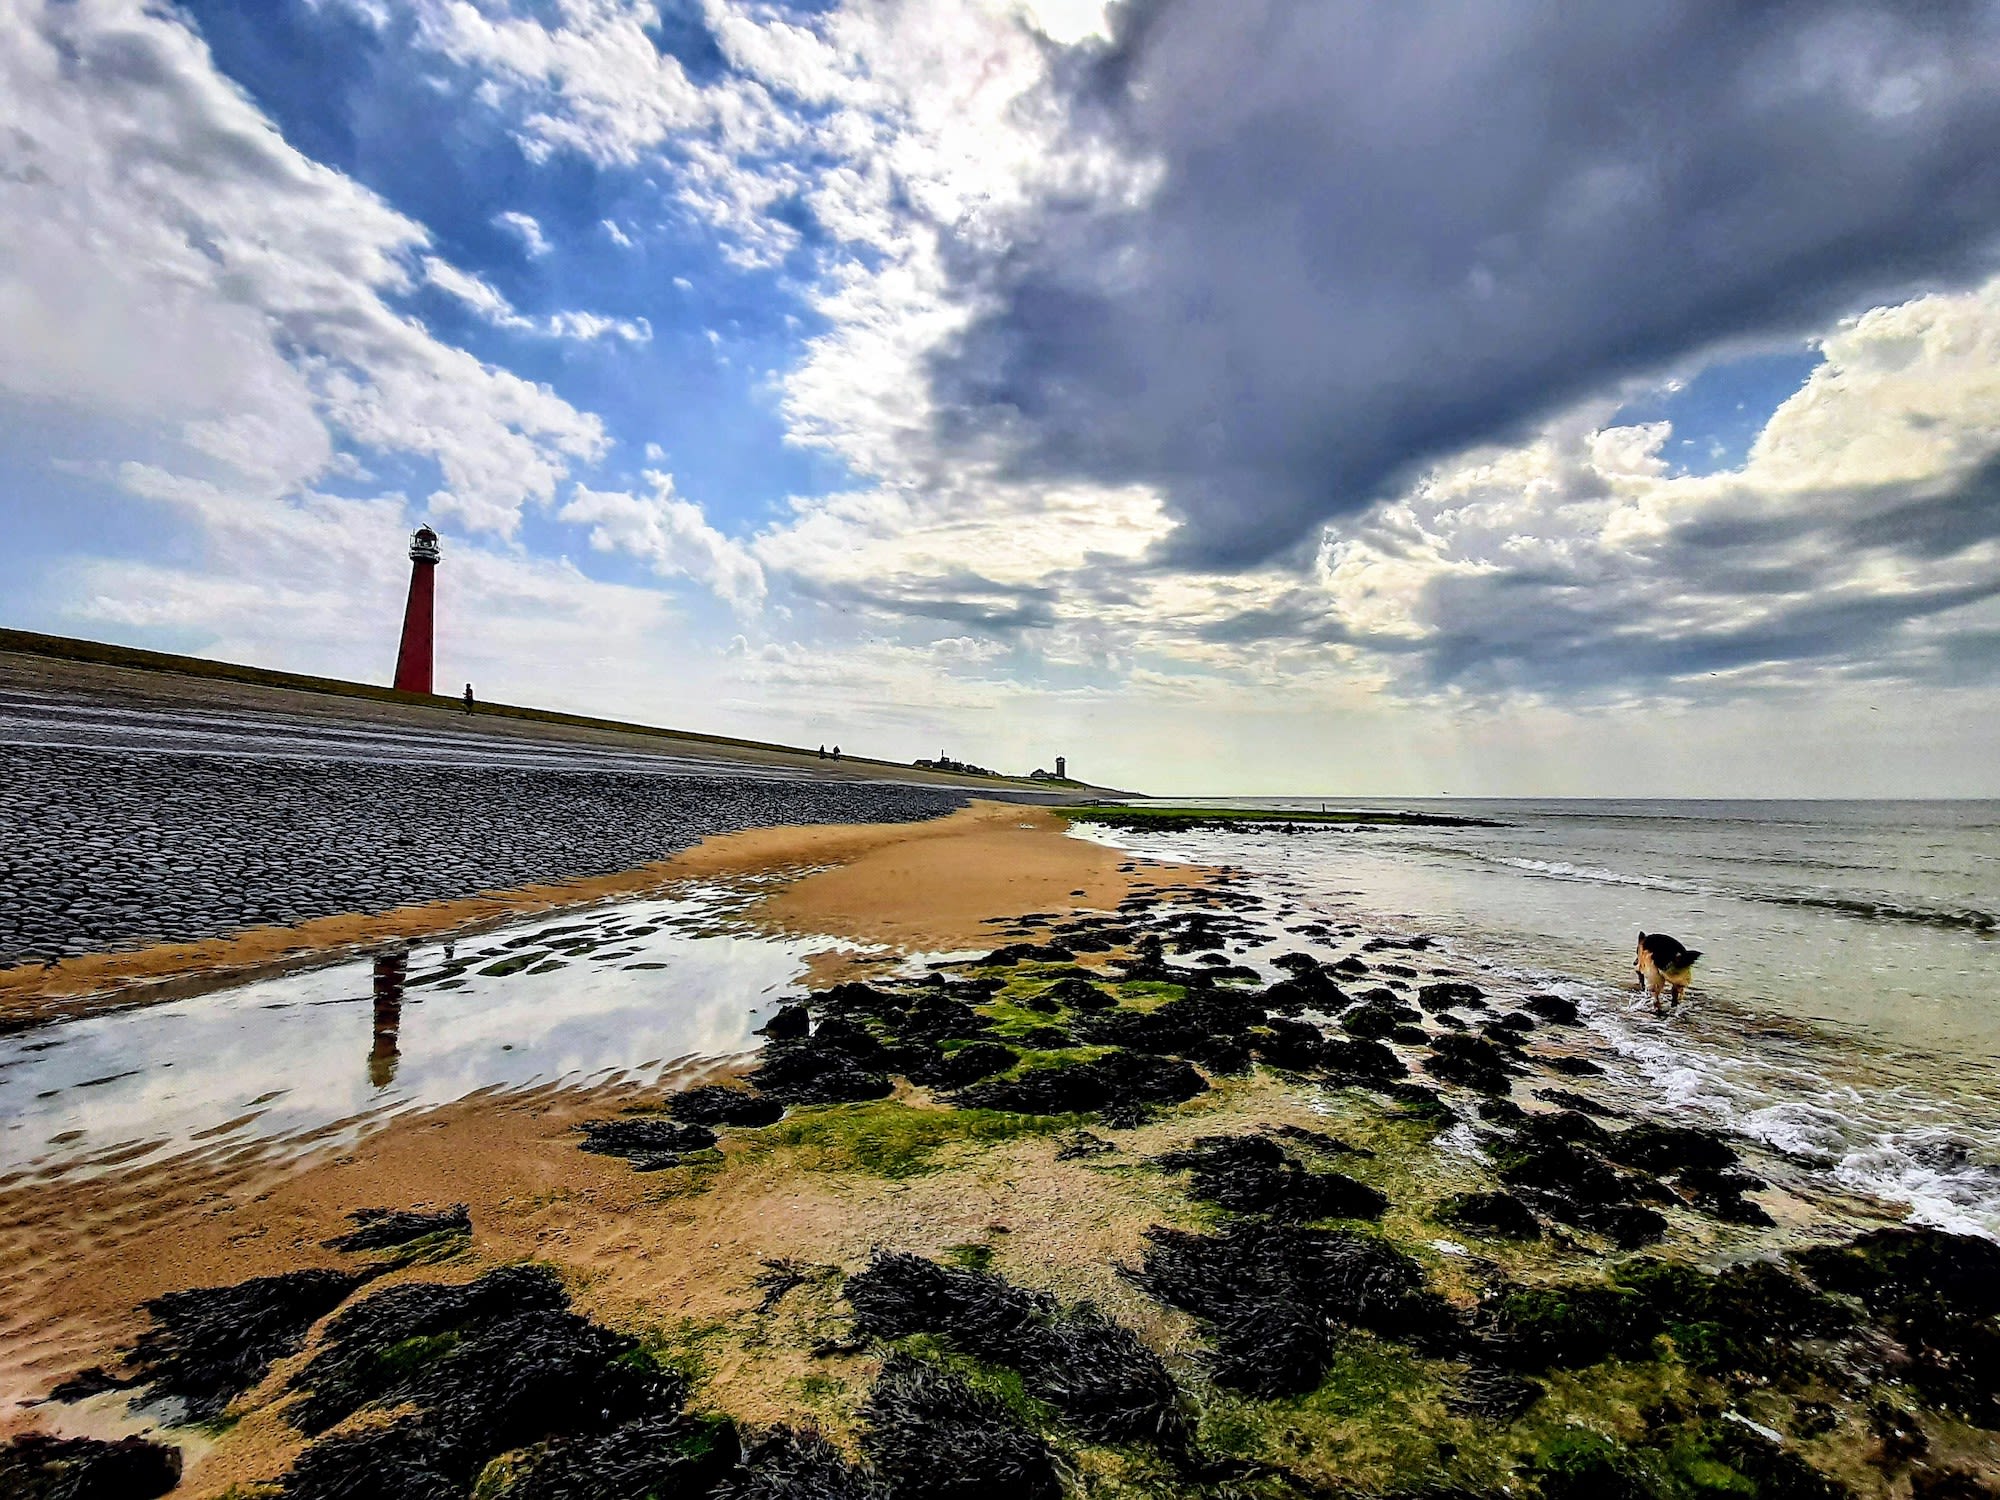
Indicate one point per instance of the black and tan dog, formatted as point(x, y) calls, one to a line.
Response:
point(1662, 963)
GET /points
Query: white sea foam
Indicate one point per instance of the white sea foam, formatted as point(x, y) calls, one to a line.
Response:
point(1866, 1133)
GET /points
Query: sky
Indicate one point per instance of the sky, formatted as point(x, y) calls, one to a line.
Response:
point(1469, 396)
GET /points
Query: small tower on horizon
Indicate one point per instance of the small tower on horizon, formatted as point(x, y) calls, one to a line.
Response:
point(1062, 768)
point(413, 657)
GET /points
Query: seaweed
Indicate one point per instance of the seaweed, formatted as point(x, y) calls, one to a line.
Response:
point(717, 1104)
point(788, 1024)
point(1359, 1058)
point(935, 1437)
point(1253, 1174)
point(208, 1345)
point(37, 1466)
point(386, 1228)
point(493, 1366)
point(1078, 994)
point(650, 1145)
point(788, 1463)
point(1537, 1328)
point(1447, 995)
point(1127, 1078)
point(1294, 1045)
point(1096, 1372)
point(1499, 1216)
point(1470, 1060)
point(1938, 1293)
point(1257, 1285)
point(969, 1064)
point(655, 1455)
point(804, 1072)
point(1654, 1147)
point(370, 1346)
point(1553, 1009)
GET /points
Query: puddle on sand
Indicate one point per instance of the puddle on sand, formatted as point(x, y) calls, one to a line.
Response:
point(620, 993)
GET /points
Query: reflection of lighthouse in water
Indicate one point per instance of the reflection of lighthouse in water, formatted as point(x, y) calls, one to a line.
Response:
point(413, 657)
point(390, 971)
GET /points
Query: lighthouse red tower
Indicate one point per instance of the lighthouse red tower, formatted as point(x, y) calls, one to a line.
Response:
point(413, 657)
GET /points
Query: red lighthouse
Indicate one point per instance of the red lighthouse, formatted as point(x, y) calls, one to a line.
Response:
point(413, 657)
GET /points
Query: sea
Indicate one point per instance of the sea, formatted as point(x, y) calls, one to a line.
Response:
point(1845, 1011)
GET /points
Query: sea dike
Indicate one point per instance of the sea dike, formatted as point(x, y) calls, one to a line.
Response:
point(105, 849)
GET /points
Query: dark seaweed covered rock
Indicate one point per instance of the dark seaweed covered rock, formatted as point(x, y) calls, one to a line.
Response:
point(968, 1064)
point(1375, 1018)
point(1669, 1148)
point(403, 1460)
point(934, 1437)
point(1553, 1009)
point(36, 1466)
point(1939, 1294)
point(1536, 1328)
point(1270, 1349)
point(1445, 996)
point(1096, 1372)
point(804, 1072)
point(800, 1464)
point(1128, 1078)
point(649, 1144)
point(385, 1228)
point(1253, 1174)
point(208, 1345)
point(1574, 1067)
point(368, 1347)
point(717, 1104)
point(1751, 1317)
point(1295, 1045)
point(1246, 1276)
point(1360, 1058)
point(1497, 1215)
point(1078, 994)
point(1025, 953)
point(492, 1366)
point(790, 1023)
point(653, 1456)
point(1470, 1060)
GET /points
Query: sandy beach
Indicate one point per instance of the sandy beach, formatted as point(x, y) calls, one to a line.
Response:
point(1093, 1170)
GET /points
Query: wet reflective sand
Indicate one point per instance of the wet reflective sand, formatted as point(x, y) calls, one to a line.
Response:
point(618, 993)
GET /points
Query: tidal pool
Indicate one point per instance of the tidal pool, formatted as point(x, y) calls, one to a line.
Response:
point(622, 992)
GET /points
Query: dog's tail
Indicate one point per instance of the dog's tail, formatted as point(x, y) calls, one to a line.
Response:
point(1691, 955)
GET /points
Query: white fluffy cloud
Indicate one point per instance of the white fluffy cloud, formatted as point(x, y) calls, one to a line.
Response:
point(170, 260)
point(670, 535)
point(485, 299)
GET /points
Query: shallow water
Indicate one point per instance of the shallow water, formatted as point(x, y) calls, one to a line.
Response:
point(622, 992)
point(1842, 1011)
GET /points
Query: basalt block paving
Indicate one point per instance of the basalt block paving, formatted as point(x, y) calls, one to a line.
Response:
point(107, 849)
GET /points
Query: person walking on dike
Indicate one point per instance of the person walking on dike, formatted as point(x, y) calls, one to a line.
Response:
point(468, 697)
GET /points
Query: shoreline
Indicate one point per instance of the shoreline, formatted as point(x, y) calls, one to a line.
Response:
point(871, 902)
point(1508, 1357)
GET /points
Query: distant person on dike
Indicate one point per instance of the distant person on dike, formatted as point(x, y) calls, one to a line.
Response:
point(836, 752)
point(822, 752)
point(468, 697)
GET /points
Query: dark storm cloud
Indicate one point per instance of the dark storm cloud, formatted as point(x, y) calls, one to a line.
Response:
point(1772, 595)
point(1386, 232)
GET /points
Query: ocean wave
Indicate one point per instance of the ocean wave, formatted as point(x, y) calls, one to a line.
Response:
point(1863, 908)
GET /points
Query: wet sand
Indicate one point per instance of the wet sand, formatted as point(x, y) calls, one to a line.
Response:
point(920, 886)
point(674, 1257)
point(85, 1253)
